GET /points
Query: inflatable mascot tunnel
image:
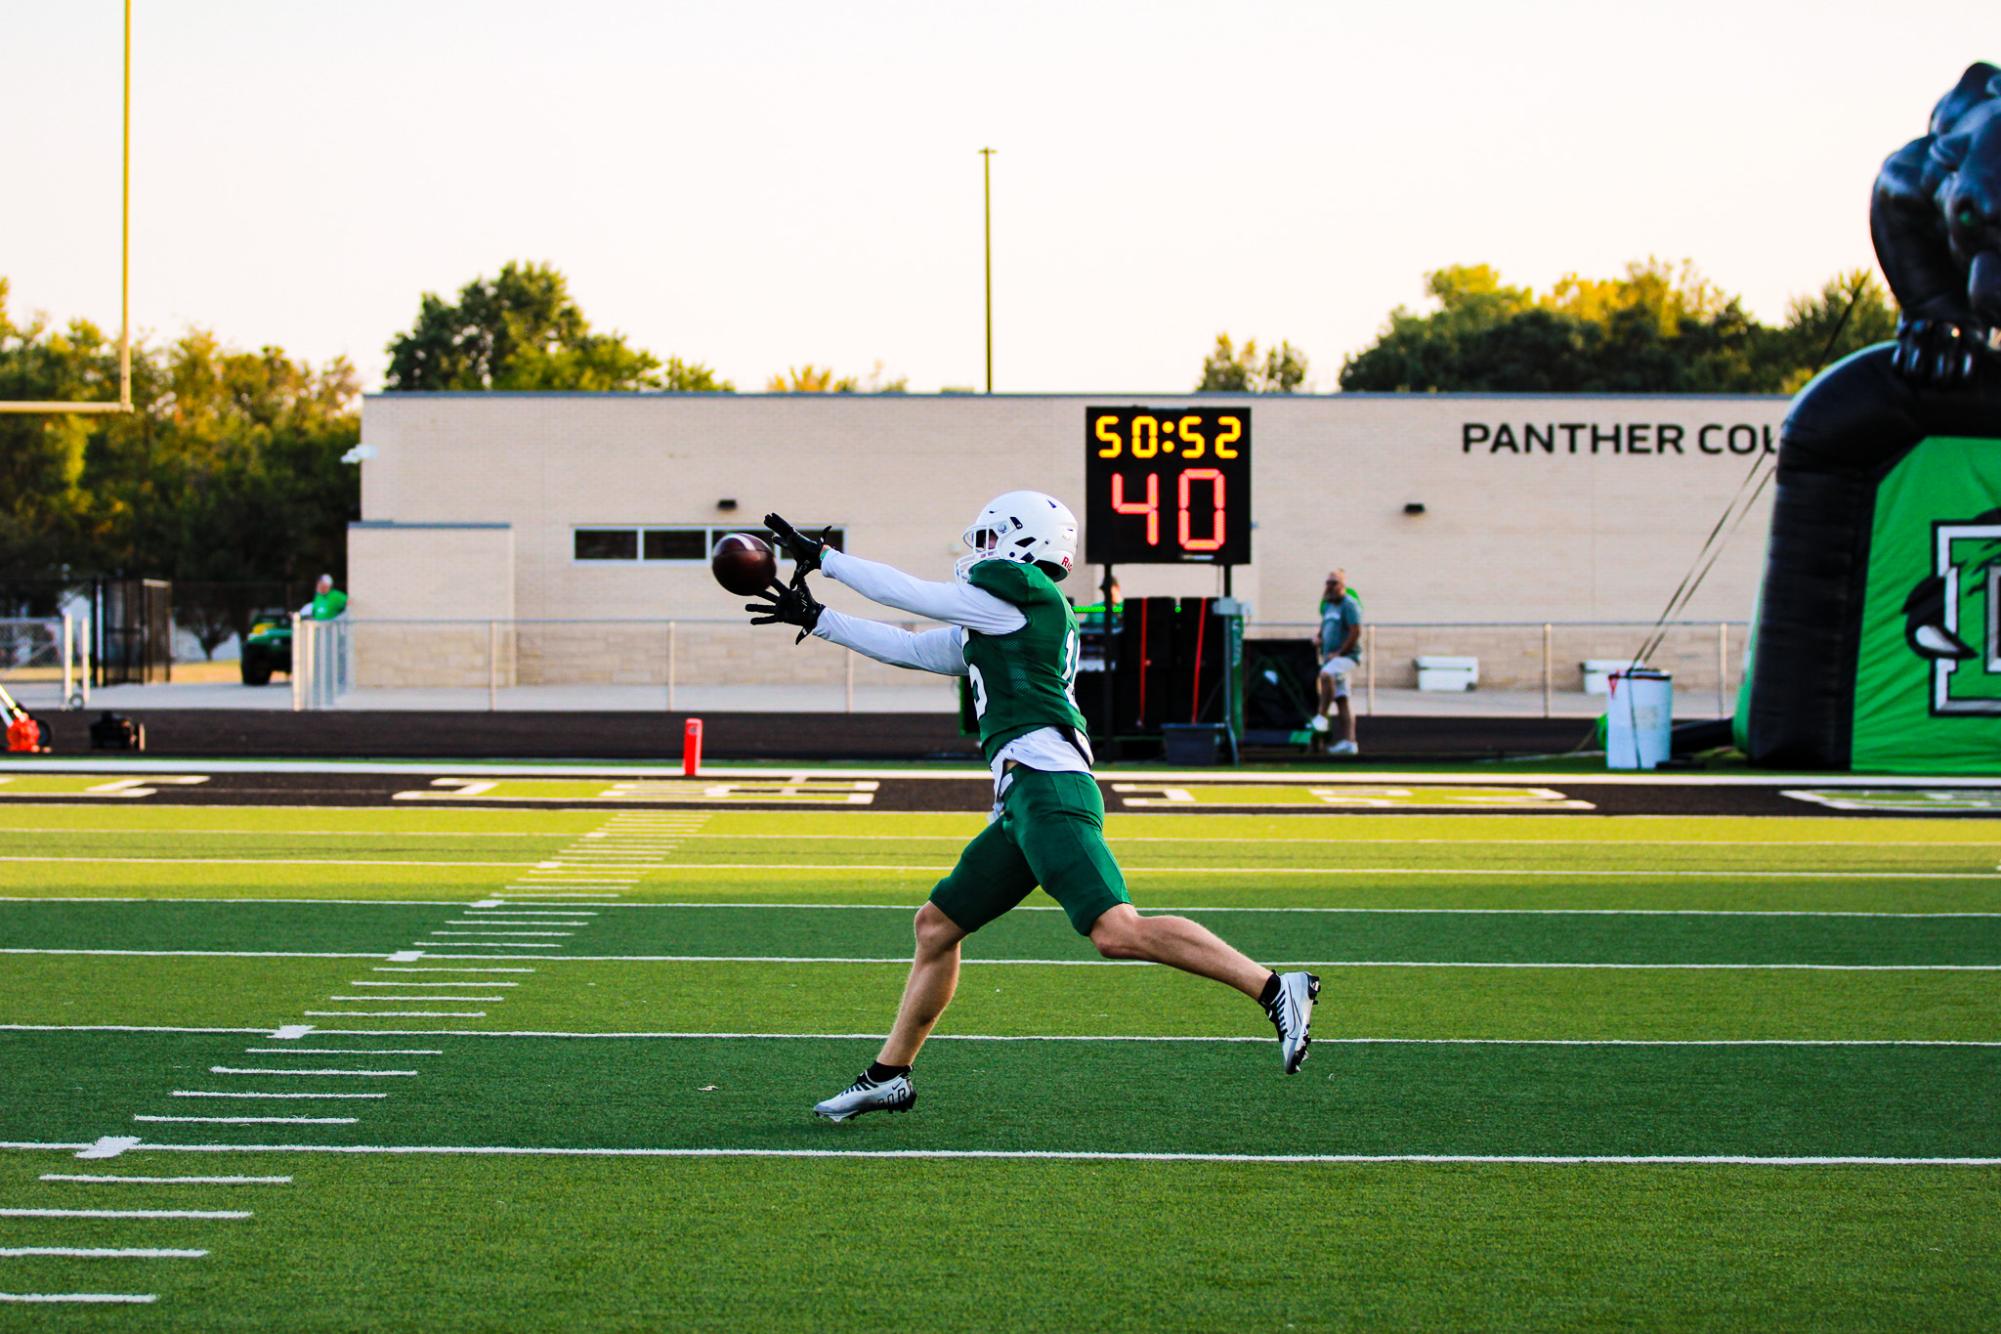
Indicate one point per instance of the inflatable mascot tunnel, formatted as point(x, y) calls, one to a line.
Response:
point(1877, 641)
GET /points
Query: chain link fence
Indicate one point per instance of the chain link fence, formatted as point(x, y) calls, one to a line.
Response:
point(715, 663)
point(44, 657)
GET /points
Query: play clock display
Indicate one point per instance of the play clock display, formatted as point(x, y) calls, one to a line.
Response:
point(1166, 485)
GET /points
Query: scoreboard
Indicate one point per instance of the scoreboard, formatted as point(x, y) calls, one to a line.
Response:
point(1166, 486)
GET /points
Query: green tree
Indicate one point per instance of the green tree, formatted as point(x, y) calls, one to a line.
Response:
point(1851, 311)
point(1658, 328)
point(692, 377)
point(43, 499)
point(228, 479)
point(811, 379)
point(1229, 369)
point(520, 330)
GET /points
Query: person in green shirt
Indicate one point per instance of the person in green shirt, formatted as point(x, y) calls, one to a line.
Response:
point(328, 601)
point(1012, 634)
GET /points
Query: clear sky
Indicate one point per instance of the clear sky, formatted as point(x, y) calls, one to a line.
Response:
point(757, 184)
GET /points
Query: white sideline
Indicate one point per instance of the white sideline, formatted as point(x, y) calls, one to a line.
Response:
point(670, 843)
point(725, 772)
point(1407, 912)
point(913, 905)
point(104, 1252)
point(100, 1298)
point(673, 1035)
point(1513, 872)
point(434, 951)
point(1084, 1155)
point(903, 960)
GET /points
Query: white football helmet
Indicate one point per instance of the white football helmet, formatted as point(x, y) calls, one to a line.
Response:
point(1024, 526)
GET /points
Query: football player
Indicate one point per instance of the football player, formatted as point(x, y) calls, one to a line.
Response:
point(1010, 632)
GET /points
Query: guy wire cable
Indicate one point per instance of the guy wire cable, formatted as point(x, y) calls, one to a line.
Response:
point(1761, 463)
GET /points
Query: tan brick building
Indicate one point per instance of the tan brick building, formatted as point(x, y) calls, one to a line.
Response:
point(594, 507)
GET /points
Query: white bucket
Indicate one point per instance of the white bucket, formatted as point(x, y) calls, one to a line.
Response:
point(1639, 726)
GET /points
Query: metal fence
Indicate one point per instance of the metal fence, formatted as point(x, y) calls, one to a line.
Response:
point(46, 651)
point(701, 662)
point(1545, 657)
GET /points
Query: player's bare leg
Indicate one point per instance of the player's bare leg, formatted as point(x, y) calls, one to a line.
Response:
point(1345, 712)
point(934, 975)
point(1121, 933)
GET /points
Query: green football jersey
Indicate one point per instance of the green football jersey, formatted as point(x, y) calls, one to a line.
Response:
point(1023, 680)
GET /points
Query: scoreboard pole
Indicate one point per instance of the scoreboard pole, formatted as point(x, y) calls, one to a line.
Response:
point(1111, 668)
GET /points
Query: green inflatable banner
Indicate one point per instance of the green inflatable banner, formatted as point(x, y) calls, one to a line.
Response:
point(1928, 667)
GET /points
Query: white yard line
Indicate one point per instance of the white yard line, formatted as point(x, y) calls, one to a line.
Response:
point(396, 1014)
point(255, 1120)
point(307, 1097)
point(422, 1000)
point(399, 985)
point(104, 1252)
point(251, 861)
point(331, 1074)
point(410, 968)
point(196, 954)
point(343, 1051)
point(81, 1298)
point(502, 931)
point(126, 1213)
point(86, 1178)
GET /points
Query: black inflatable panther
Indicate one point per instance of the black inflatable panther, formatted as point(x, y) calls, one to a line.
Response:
point(1936, 222)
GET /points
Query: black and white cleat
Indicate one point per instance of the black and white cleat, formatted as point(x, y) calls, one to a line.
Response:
point(865, 1095)
point(1291, 1013)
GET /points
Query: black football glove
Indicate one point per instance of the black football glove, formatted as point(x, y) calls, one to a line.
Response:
point(794, 605)
point(804, 550)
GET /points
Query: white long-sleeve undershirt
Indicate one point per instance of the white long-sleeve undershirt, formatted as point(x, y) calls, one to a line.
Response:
point(953, 603)
point(942, 650)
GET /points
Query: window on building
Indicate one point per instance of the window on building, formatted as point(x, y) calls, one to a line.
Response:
point(677, 544)
point(607, 544)
point(672, 544)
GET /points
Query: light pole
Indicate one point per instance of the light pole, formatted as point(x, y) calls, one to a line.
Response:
point(987, 209)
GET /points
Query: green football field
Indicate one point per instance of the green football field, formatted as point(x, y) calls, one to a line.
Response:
point(454, 1067)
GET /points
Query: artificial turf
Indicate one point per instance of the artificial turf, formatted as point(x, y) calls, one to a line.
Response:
point(477, 1241)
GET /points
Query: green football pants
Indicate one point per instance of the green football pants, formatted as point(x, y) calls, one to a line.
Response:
point(1051, 833)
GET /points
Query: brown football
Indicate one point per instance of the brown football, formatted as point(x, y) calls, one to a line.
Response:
point(744, 564)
